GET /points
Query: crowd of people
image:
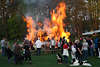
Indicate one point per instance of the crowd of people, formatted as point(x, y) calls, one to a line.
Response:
point(20, 52)
point(79, 49)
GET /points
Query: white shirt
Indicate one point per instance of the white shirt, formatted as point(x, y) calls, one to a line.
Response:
point(38, 44)
point(2, 43)
point(53, 42)
point(58, 44)
point(85, 46)
point(65, 52)
point(73, 49)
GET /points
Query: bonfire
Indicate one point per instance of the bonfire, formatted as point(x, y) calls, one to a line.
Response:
point(49, 28)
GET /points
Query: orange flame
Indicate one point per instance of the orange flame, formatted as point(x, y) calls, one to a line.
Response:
point(53, 28)
point(58, 16)
point(30, 28)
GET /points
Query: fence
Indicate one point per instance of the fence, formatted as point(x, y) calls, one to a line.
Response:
point(46, 52)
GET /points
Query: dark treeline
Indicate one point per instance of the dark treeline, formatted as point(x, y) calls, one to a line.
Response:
point(81, 16)
point(12, 25)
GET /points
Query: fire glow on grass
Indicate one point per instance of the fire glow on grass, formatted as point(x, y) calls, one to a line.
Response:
point(50, 28)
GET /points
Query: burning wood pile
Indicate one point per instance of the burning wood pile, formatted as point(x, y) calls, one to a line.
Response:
point(53, 28)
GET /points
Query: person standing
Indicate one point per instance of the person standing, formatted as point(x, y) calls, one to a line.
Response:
point(85, 50)
point(17, 53)
point(27, 52)
point(9, 53)
point(65, 52)
point(91, 48)
point(79, 51)
point(53, 45)
point(56, 46)
point(73, 52)
point(48, 46)
point(96, 46)
point(38, 44)
point(62, 43)
point(3, 46)
point(59, 44)
point(99, 47)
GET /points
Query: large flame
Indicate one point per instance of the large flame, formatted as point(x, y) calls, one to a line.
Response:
point(57, 17)
point(53, 28)
point(30, 28)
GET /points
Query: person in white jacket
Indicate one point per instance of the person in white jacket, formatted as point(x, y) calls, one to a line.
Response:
point(38, 44)
point(73, 52)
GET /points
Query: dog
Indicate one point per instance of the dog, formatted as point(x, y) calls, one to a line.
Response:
point(59, 58)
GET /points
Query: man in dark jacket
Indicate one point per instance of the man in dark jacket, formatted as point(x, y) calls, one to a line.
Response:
point(27, 52)
point(9, 53)
point(79, 51)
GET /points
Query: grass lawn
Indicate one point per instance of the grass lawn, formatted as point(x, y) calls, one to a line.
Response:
point(44, 61)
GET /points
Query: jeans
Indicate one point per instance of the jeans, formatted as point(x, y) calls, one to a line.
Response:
point(85, 55)
point(27, 55)
point(53, 49)
point(3, 51)
point(38, 51)
point(80, 58)
point(91, 52)
point(15, 59)
point(66, 59)
point(99, 51)
point(97, 54)
point(28, 58)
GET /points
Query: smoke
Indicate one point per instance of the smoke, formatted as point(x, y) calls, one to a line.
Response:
point(38, 9)
point(29, 1)
point(36, 2)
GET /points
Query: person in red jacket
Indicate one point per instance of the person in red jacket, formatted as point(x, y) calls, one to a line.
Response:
point(65, 52)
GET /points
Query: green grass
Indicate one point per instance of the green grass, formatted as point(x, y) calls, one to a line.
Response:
point(44, 61)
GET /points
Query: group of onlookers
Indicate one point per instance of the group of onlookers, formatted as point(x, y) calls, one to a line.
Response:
point(80, 49)
point(20, 53)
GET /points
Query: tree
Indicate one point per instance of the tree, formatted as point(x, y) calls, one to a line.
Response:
point(94, 11)
point(11, 23)
point(16, 27)
point(76, 13)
